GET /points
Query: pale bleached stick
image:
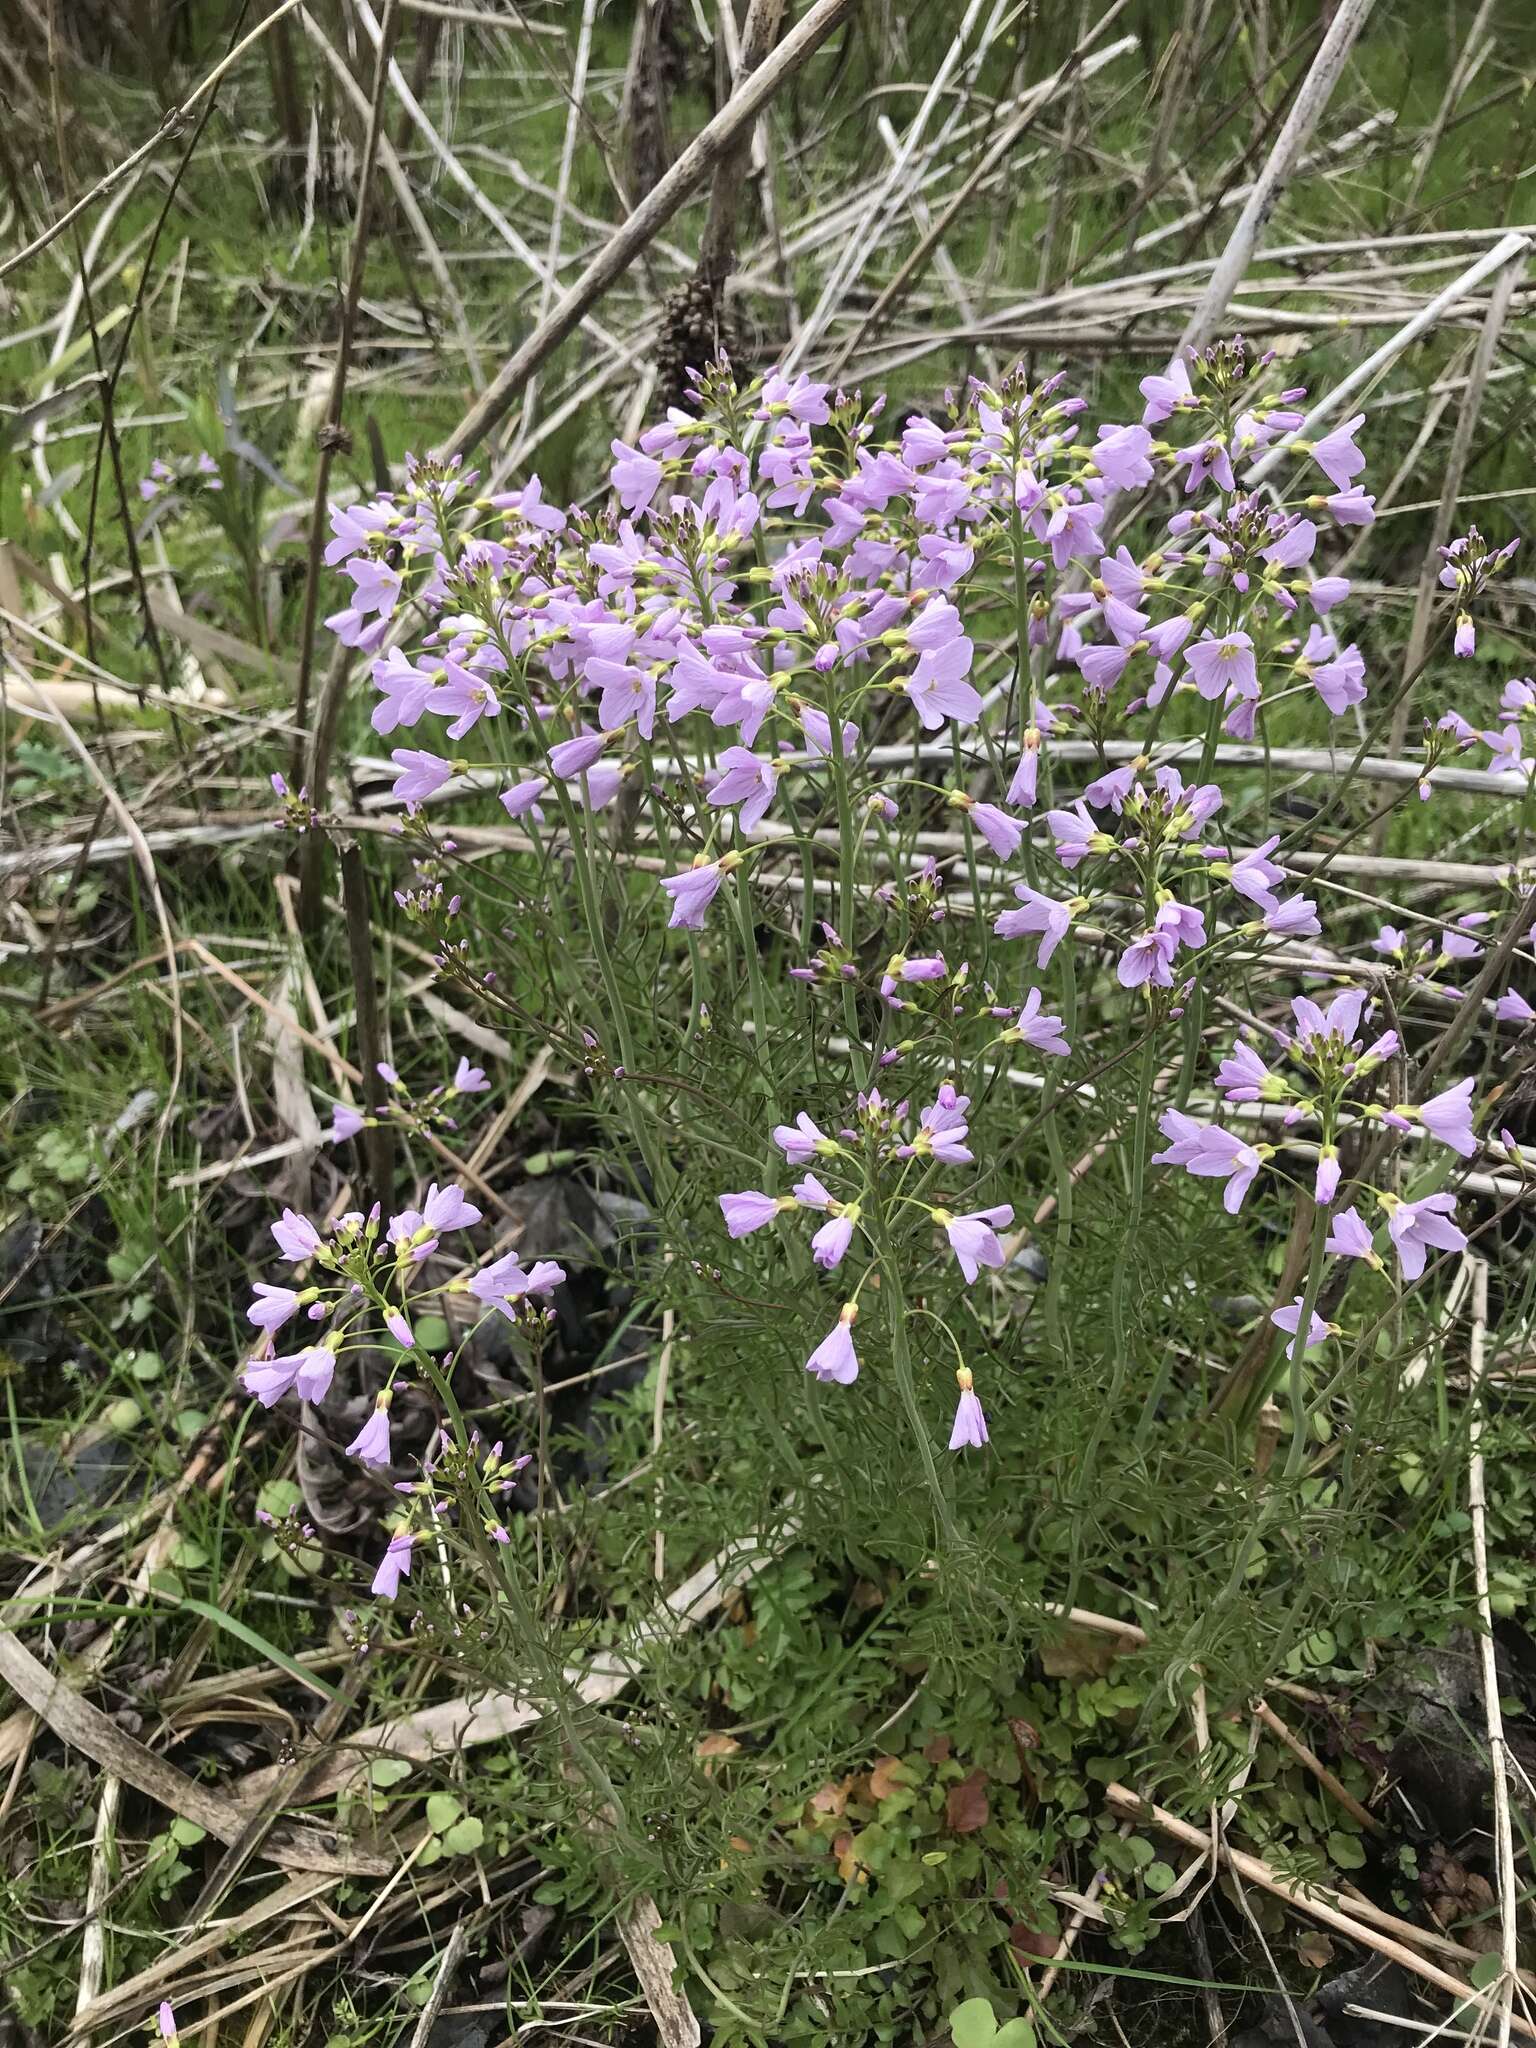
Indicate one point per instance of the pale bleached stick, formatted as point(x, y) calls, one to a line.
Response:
point(1473, 52)
point(567, 154)
point(93, 1942)
point(859, 245)
point(1030, 106)
point(400, 184)
point(647, 220)
point(172, 123)
point(1505, 250)
point(1357, 1919)
point(490, 1716)
point(1450, 490)
point(1306, 111)
point(466, 184)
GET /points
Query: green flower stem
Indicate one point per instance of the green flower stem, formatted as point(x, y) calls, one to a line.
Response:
point(755, 983)
point(906, 1381)
point(1296, 1375)
point(1061, 1246)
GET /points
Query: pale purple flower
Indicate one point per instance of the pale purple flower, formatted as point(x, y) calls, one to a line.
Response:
point(969, 1431)
point(1243, 1076)
point(1207, 461)
point(307, 1373)
point(834, 1357)
point(1167, 394)
point(834, 1238)
point(973, 1239)
point(573, 757)
point(465, 696)
point(394, 1565)
point(1121, 457)
point(376, 586)
point(1076, 835)
point(371, 1444)
point(468, 1080)
point(1289, 1320)
point(421, 774)
point(747, 779)
point(1223, 664)
point(1295, 546)
point(1111, 789)
point(1353, 508)
point(1254, 874)
point(800, 1142)
point(272, 1307)
point(1512, 1008)
point(1183, 923)
point(1337, 456)
point(346, 1122)
point(1448, 1117)
point(1003, 834)
point(692, 892)
point(943, 1128)
point(938, 687)
point(1418, 1227)
point(447, 1208)
point(1025, 784)
point(1326, 1184)
point(522, 799)
point(1339, 1022)
point(403, 689)
point(1043, 1032)
point(1148, 959)
point(1465, 641)
point(1073, 529)
point(817, 727)
point(1341, 681)
point(1184, 1134)
point(1211, 1153)
point(747, 1211)
point(504, 1281)
point(627, 692)
point(297, 1238)
point(1038, 914)
point(1295, 918)
point(636, 478)
point(1349, 1238)
point(1103, 666)
point(165, 2019)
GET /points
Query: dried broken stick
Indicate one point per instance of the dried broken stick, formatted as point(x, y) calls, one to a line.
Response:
point(84, 1727)
point(1360, 1921)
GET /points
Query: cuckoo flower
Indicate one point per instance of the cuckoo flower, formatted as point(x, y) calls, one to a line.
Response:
point(834, 1357)
point(1417, 1228)
point(969, 1431)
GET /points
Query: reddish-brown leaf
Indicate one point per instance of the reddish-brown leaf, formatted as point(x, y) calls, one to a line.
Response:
point(965, 1807)
point(888, 1776)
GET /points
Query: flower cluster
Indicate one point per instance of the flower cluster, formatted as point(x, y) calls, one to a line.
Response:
point(429, 1112)
point(363, 1278)
point(872, 1184)
point(183, 479)
point(1329, 1080)
point(791, 634)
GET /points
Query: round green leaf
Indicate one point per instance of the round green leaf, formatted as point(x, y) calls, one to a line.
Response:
point(972, 2025)
point(443, 1809)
